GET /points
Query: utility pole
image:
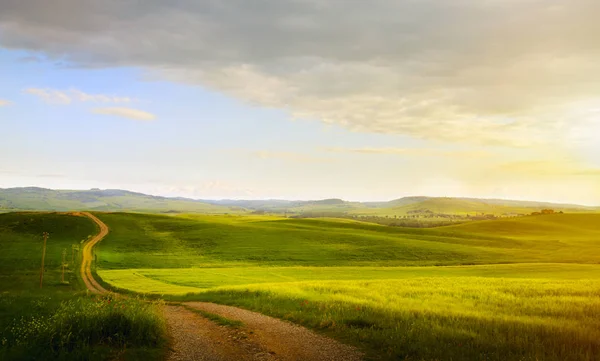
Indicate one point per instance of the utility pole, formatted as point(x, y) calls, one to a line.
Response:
point(64, 253)
point(45, 234)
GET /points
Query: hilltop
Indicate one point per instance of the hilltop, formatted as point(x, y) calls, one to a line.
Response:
point(42, 199)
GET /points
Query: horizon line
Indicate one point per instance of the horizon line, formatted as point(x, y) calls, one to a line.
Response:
point(310, 200)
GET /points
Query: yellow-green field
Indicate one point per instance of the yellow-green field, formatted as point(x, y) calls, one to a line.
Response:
point(513, 289)
point(181, 281)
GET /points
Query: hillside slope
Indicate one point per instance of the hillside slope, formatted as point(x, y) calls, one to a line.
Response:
point(147, 241)
point(465, 206)
point(41, 199)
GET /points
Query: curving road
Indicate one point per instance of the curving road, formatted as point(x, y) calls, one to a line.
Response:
point(262, 338)
point(87, 256)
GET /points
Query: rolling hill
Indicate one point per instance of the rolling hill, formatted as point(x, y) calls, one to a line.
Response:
point(523, 288)
point(465, 206)
point(41, 199)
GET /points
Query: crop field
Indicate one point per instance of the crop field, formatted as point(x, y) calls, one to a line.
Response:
point(512, 289)
point(60, 321)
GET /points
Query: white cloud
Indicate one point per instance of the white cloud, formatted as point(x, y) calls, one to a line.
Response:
point(209, 189)
point(126, 113)
point(97, 98)
point(413, 152)
point(288, 156)
point(50, 96)
point(55, 96)
point(4, 103)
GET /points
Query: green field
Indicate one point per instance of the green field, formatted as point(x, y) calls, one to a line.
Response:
point(512, 289)
point(152, 241)
point(60, 321)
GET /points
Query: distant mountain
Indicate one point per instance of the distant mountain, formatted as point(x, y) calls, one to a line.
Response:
point(41, 199)
point(33, 198)
point(465, 206)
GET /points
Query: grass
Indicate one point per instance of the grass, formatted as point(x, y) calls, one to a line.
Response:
point(85, 327)
point(182, 281)
point(498, 312)
point(152, 241)
point(470, 318)
point(60, 321)
point(511, 289)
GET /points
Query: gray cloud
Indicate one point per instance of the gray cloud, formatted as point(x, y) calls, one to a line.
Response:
point(502, 72)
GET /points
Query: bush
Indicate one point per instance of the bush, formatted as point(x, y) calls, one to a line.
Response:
point(84, 323)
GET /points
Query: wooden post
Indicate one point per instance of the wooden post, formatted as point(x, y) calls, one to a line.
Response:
point(45, 234)
point(64, 253)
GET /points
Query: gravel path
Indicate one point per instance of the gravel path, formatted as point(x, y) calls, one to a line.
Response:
point(198, 339)
point(283, 340)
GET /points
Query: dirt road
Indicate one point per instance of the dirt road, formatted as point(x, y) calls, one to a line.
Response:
point(261, 338)
point(87, 256)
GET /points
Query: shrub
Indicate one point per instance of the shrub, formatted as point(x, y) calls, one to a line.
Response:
point(84, 323)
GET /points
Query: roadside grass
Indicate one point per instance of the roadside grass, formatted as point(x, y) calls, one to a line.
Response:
point(87, 327)
point(468, 318)
point(60, 321)
point(220, 320)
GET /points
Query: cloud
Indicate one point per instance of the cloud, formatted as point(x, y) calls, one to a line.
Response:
point(97, 98)
point(4, 103)
point(50, 96)
point(288, 156)
point(508, 73)
point(547, 168)
point(419, 152)
point(126, 113)
point(54, 96)
point(209, 189)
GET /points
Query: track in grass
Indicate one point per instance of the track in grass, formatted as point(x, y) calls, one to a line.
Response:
point(87, 255)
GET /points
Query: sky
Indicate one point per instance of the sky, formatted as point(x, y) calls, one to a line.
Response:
point(303, 99)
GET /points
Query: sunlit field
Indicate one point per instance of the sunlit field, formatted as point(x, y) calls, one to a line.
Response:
point(520, 288)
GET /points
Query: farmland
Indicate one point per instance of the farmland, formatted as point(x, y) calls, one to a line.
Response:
point(519, 288)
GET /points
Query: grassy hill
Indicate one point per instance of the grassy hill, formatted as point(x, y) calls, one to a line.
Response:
point(40, 199)
point(465, 206)
point(511, 289)
point(153, 241)
point(521, 288)
point(59, 321)
point(404, 206)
